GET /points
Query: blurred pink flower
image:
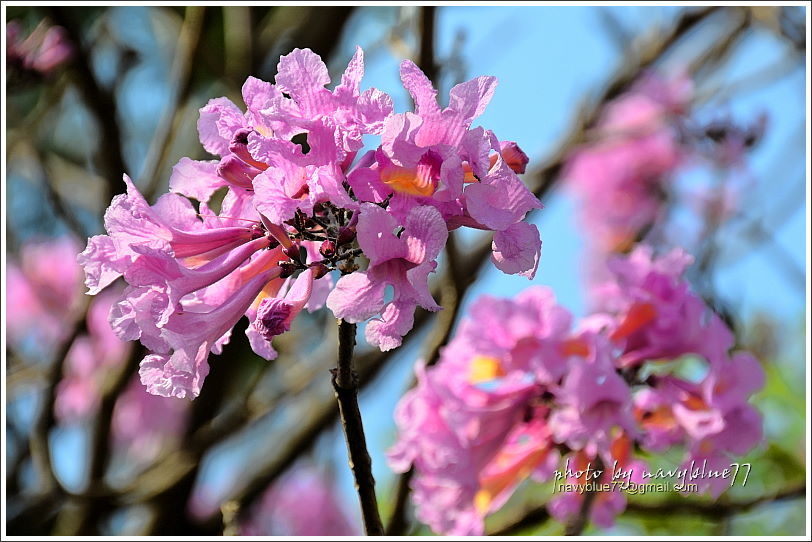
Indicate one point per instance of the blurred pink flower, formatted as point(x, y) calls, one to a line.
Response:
point(620, 179)
point(43, 293)
point(144, 424)
point(516, 387)
point(89, 361)
point(304, 502)
point(475, 425)
point(42, 51)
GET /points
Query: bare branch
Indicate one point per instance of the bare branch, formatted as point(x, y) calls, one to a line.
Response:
point(576, 526)
point(100, 102)
point(345, 385)
point(39, 445)
point(714, 510)
point(186, 49)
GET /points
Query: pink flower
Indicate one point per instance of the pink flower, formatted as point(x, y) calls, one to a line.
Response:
point(658, 315)
point(42, 51)
point(403, 261)
point(302, 503)
point(428, 157)
point(623, 178)
point(89, 361)
point(43, 294)
point(476, 424)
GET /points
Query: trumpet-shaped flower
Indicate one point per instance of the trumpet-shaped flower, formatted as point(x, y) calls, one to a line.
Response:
point(297, 205)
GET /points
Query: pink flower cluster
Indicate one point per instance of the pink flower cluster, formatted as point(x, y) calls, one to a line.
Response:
point(42, 51)
point(300, 201)
point(520, 393)
point(624, 177)
point(303, 503)
point(621, 177)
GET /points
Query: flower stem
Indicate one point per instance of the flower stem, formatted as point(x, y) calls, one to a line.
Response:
point(345, 385)
point(576, 526)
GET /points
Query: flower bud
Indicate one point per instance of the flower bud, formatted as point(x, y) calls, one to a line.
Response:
point(345, 236)
point(239, 146)
point(236, 172)
point(293, 253)
point(327, 249)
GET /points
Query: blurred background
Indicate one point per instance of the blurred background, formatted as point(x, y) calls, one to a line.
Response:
point(92, 93)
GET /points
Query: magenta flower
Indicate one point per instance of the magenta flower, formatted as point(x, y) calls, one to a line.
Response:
point(516, 388)
point(298, 206)
point(434, 157)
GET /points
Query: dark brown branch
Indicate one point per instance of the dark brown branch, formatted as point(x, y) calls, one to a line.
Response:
point(426, 59)
point(95, 502)
point(344, 377)
point(38, 444)
point(100, 102)
point(398, 522)
point(576, 525)
point(714, 510)
point(345, 385)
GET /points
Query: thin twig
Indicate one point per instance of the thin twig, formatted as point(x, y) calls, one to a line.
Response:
point(538, 515)
point(39, 445)
point(100, 101)
point(345, 385)
point(530, 519)
point(186, 49)
point(714, 509)
point(95, 501)
point(62, 209)
point(576, 525)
